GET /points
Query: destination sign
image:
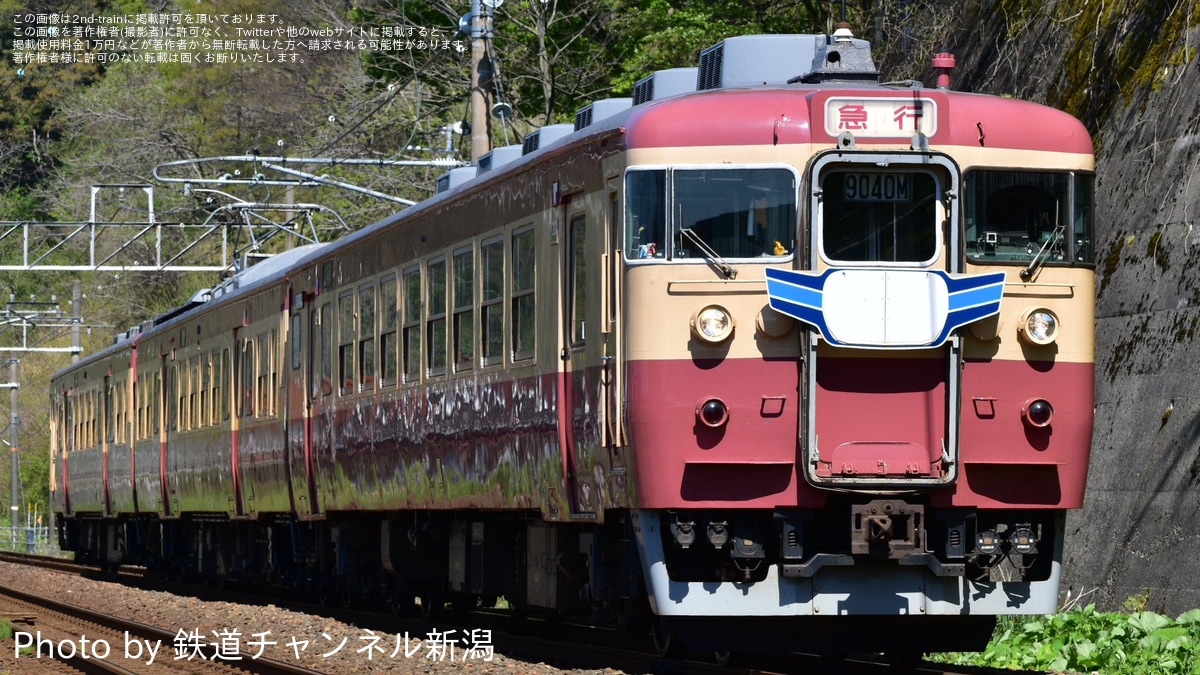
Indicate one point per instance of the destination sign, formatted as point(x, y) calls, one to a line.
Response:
point(877, 187)
point(880, 117)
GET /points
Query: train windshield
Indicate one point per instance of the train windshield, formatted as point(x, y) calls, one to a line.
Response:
point(868, 215)
point(735, 213)
point(1020, 216)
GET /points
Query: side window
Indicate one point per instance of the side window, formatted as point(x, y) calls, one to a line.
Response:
point(139, 411)
point(194, 391)
point(388, 319)
point(156, 403)
point(295, 335)
point(436, 323)
point(206, 389)
point(325, 325)
point(412, 325)
point(275, 366)
point(171, 389)
point(366, 344)
point(109, 411)
point(491, 304)
point(263, 381)
point(464, 309)
point(247, 368)
point(346, 335)
point(220, 388)
point(524, 309)
point(578, 282)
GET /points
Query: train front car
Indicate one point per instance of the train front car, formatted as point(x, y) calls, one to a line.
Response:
point(859, 354)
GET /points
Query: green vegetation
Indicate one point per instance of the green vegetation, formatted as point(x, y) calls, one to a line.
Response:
point(1133, 642)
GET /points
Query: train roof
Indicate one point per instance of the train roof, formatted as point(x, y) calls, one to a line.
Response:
point(797, 114)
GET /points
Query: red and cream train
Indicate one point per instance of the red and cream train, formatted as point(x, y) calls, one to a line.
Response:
point(751, 356)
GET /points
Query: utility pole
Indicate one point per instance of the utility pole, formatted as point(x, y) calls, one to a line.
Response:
point(13, 445)
point(481, 75)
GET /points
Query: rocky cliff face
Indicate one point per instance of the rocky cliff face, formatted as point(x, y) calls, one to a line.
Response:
point(1130, 71)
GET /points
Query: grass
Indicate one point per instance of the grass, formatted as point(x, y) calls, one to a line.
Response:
point(1083, 640)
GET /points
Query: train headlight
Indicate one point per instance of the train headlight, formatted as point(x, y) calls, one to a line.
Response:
point(1039, 326)
point(712, 324)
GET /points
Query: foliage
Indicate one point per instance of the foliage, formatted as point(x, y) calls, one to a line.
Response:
point(1084, 640)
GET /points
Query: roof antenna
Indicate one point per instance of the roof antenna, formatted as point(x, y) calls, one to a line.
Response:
point(842, 32)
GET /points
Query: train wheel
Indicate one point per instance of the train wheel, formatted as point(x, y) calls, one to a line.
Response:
point(663, 638)
point(430, 604)
point(401, 603)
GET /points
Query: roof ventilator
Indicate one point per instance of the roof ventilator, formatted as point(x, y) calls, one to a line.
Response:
point(755, 60)
point(499, 157)
point(665, 83)
point(455, 177)
point(545, 136)
point(598, 110)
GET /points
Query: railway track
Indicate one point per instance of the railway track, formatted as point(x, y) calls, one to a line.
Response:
point(527, 640)
point(54, 635)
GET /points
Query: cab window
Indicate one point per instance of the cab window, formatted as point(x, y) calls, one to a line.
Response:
point(695, 214)
point(1017, 216)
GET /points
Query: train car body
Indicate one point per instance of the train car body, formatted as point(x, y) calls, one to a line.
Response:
point(766, 358)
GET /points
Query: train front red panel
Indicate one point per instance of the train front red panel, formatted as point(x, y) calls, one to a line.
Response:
point(755, 460)
point(1008, 463)
point(749, 463)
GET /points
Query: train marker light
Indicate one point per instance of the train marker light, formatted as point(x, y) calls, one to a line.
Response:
point(987, 542)
point(712, 324)
point(713, 413)
point(1038, 413)
point(1039, 326)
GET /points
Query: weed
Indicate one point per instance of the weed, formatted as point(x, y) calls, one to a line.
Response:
point(1132, 642)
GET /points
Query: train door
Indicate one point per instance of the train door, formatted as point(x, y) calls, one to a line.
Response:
point(168, 404)
point(309, 430)
point(611, 375)
point(106, 441)
point(306, 390)
point(883, 261)
point(66, 439)
point(578, 386)
point(242, 417)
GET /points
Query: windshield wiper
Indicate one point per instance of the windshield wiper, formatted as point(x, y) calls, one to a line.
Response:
point(1038, 259)
point(712, 256)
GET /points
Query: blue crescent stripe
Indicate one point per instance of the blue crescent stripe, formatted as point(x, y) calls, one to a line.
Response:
point(800, 295)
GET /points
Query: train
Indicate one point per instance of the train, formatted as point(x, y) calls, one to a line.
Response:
point(769, 356)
